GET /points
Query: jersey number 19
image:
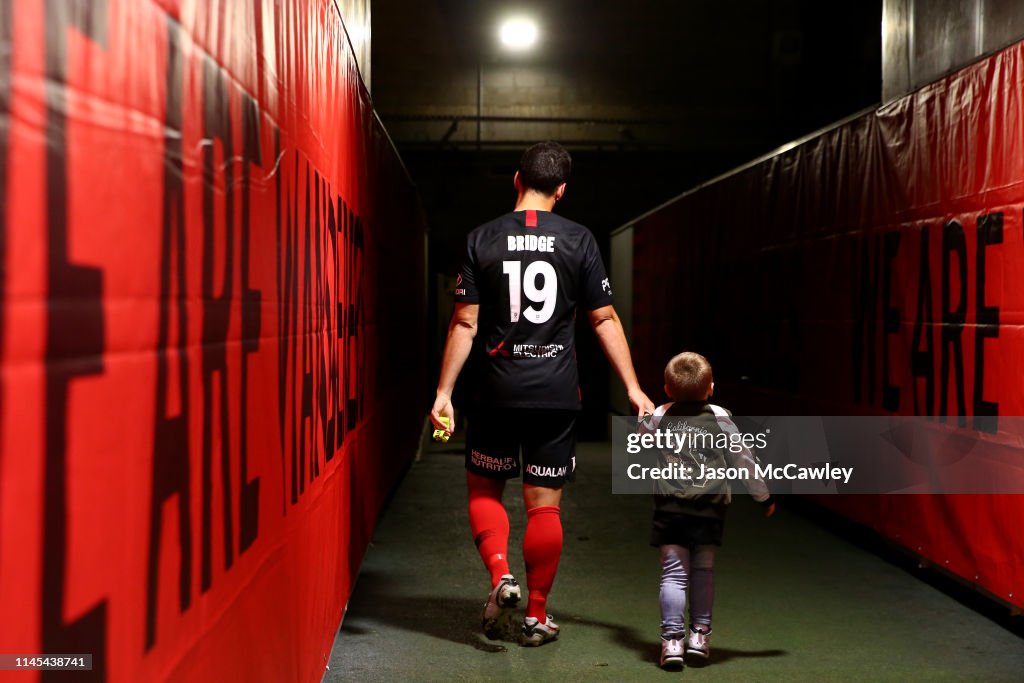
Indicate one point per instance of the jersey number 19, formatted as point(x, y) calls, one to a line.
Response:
point(545, 295)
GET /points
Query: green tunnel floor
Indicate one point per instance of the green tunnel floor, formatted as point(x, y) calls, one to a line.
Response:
point(793, 602)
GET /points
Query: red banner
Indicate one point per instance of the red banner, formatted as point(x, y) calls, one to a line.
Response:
point(212, 288)
point(872, 268)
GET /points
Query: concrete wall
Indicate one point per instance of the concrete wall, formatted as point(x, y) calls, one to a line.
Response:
point(925, 39)
point(356, 15)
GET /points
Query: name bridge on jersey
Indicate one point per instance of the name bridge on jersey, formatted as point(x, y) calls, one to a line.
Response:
point(544, 243)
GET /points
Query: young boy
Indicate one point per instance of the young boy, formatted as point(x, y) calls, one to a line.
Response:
point(689, 515)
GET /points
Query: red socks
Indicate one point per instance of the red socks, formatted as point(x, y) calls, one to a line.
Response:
point(542, 548)
point(542, 544)
point(489, 523)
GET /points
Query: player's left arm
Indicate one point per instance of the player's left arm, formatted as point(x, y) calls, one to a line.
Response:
point(612, 338)
point(461, 331)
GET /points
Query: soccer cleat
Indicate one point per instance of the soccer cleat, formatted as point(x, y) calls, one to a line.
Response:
point(536, 633)
point(672, 654)
point(699, 643)
point(498, 609)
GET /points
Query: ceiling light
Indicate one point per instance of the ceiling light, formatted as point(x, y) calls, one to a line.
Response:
point(519, 33)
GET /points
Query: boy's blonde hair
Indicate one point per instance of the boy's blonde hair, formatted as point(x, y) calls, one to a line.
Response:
point(688, 377)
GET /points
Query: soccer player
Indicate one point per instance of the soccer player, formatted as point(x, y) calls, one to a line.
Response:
point(525, 275)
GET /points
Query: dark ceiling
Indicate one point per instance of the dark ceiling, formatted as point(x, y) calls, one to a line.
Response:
point(702, 87)
point(724, 82)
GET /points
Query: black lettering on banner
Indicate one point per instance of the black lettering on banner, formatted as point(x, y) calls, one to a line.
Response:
point(356, 373)
point(216, 308)
point(345, 230)
point(322, 308)
point(891, 321)
point(74, 344)
point(922, 362)
point(341, 222)
point(249, 491)
point(286, 290)
point(307, 373)
point(296, 372)
point(320, 374)
point(320, 381)
point(953, 319)
point(864, 320)
point(171, 472)
point(331, 308)
point(990, 231)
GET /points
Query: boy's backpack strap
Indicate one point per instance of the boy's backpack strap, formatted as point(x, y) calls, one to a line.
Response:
point(719, 411)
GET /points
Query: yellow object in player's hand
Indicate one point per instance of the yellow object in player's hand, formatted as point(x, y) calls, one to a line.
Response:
point(442, 434)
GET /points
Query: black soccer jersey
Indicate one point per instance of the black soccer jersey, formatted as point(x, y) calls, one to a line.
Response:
point(529, 271)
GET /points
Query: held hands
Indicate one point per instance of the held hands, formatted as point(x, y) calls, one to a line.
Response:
point(442, 408)
point(641, 404)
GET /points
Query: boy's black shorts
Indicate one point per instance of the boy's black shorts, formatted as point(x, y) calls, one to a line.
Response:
point(547, 439)
point(689, 531)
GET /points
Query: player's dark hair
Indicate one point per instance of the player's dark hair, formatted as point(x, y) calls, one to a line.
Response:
point(688, 377)
point(544, 166)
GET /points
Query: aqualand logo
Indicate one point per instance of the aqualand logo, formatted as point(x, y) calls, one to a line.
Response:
point(538, 471)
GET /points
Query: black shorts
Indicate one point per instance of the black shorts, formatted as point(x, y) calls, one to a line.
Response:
point(689, 531)
point(547, 439)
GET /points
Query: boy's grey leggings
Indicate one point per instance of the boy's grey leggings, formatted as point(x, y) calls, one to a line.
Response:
point(681, 569)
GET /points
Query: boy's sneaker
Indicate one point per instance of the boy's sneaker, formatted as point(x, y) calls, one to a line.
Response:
point(536, 633)
point(672, 654)
point(699, 643)
point(498, 609)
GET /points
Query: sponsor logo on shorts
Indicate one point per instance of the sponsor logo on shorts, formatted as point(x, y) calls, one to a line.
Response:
point(538, 471)
point(486, 462)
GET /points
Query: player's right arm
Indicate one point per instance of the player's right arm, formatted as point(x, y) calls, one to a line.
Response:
point(461, 331)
